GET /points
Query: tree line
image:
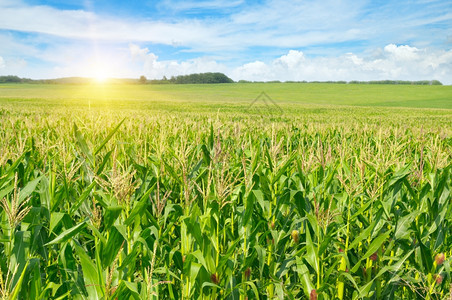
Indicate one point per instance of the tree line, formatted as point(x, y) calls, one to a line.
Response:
point(199, 78)
point(14, 79)
point(395, 82)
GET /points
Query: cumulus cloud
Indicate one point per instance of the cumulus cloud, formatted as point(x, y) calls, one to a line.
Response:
point(292, 60)
point(392, 62)
point(138, 53)
point(152, 67)
point(254, 70)
point(396, 62)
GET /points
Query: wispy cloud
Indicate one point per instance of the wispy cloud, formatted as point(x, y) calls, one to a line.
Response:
point(274, 24)
point(200, 5)
point(81, 24)
point(241, 37)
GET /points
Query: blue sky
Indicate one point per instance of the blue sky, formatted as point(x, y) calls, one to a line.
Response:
point(253, 40)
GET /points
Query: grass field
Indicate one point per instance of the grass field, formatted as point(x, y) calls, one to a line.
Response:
point(242, 94)
point(188, 192)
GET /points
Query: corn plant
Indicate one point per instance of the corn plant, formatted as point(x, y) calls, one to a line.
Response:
point(124, 204)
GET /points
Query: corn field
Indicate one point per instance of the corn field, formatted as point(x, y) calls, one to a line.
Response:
point(322, 204)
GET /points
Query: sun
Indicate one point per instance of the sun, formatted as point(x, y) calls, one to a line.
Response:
point(100, 78)
point(99, 72)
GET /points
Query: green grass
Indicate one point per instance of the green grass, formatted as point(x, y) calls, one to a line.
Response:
point(186, 192)
point(283, 93)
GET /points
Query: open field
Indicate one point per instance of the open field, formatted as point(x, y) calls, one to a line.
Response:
point(187, 192)
point(243, 93)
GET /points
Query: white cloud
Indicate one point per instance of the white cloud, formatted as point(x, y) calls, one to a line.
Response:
point(12, 46)
point(154, 68)
point(391, 62)
point(271, 23)
point(403, 53)
point(397, 62)
point(253, 71)
point(13, 66)
point(88, 25)
point(200, 5)
point(292, 60)
point(137, 52)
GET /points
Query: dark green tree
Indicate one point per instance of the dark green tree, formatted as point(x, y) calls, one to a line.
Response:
point(142, 79)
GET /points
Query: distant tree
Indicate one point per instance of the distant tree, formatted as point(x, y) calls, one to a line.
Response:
point(10, 79)
point(201, 78)
point(142, 79)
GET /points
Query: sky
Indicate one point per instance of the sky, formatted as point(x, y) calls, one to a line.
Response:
point(259, 40)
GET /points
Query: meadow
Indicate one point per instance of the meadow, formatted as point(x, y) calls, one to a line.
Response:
point(337, 191)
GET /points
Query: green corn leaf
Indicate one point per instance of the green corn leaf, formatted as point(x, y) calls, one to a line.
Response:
point(7, 190)
point(206, 155)
point(376, 244)
point(305, 276)
point(373, 247)
point(249, 209)
point(109, 136)
point(138, 209)
point(67, 234)
point(114, 243)
point(112, 213)
point(12, 169)
point(311, 253)
point(284, 168)
point(126, 290)
point(194, 270)
point(400, 175)
point(17, 287)
point(426, 254)
point(55, 219)
point(261, 253)
point(403, 224)
point(19, 256)
point(85, 194)
point(90, 273)
point(102, 165)
point(28, 189)
point(83, 145)
point(363, 235)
